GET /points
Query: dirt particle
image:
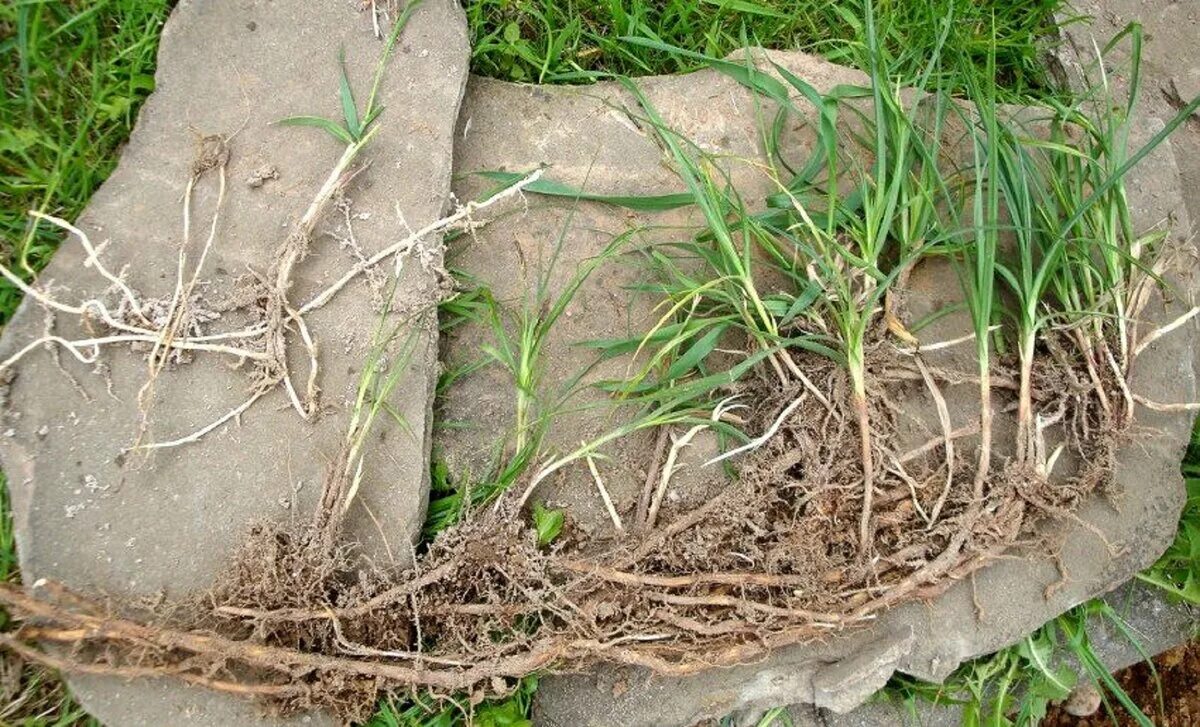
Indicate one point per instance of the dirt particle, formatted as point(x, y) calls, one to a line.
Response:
point(1083, 701)
point(262, 175)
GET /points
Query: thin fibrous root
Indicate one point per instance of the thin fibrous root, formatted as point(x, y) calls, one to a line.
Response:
point(1161, 331)
point(947, 439)
point(608, 503)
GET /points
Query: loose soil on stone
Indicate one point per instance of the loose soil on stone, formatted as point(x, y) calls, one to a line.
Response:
point(1179, 677)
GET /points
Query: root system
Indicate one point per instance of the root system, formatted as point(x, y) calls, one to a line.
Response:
point(298, 621)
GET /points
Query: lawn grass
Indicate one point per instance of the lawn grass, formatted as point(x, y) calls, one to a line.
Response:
point(73, 75)
point(553, 41)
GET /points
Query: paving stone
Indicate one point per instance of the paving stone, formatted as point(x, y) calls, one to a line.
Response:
point(133, 525)
point(587, 140)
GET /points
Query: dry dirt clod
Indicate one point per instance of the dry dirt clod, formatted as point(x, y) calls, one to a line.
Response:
point(1084, 700)
point(262, 175)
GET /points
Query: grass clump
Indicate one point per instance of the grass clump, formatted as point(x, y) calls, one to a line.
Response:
point(74, 76)
point(1178, 570)
point(1017, 686)
point(547, 42)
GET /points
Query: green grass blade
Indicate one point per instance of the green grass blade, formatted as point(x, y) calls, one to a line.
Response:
point(349, 109)
point(550, 188)
point(333, 129)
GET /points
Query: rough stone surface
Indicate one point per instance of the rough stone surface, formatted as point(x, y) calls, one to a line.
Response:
point(1170, 66)
point(587, 140)
point(136, 526)
point(1157, 626)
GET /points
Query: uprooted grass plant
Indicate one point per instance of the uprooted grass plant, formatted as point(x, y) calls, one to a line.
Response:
point(809, 292)
point(810, 289)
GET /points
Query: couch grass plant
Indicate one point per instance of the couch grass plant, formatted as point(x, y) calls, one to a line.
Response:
point(74, 77)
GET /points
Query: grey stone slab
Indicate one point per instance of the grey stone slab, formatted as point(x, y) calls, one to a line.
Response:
point(1156, 625)
point(587, 141)
point(1170, 66)
point(165, 524)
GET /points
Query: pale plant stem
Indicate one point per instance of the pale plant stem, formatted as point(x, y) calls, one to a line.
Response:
point(199, 433)
point(525, 399)
point(985, 434)
point(73, 346)
point(765, 436)
point(1089, 357)
point(947, 436)
point(182, 294)
point(250, 332)
point(93, 259)
point(295, 249)
point(177, 293)
point(927, 348)
point(859, 400)
point(82, 309)
point(1158, 406)
point(608, 503)
point(310, 392)
point(809, 385)
point(773, 359)
point(1122, 332)
point(1121, 374)
point(1161, 331)
point(1025, 399)
point(294, 397)
point(669, 469)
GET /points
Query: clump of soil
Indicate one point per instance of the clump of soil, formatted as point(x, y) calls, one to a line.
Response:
point(1179, 677)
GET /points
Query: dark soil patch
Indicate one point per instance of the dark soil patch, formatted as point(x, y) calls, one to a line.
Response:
point(1179, 676)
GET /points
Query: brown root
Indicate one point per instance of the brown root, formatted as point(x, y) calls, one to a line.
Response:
point(301, 622)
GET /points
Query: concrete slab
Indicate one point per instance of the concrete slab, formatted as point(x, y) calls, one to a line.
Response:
point(587, 141)
point(165, 524)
